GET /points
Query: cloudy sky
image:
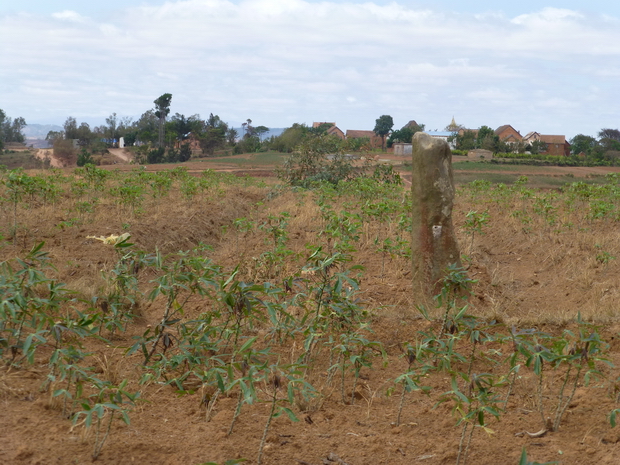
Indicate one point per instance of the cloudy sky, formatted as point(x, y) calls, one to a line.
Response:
point(544, 65)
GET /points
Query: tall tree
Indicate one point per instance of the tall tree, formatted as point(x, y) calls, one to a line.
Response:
point(111, 130)
point(248, 128)
point(162, 109)
point(260, 131)
point(213, 135)
point(607, 133)
point(231, 136)
point(383, 126)
point(71, 128)
point(84, 135)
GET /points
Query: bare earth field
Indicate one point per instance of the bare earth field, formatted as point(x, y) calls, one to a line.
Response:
point(542, 258)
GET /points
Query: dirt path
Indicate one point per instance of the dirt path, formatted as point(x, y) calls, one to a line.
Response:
point(121, 153)
point(42, 154)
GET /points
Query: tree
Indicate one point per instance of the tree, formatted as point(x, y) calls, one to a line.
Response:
point(537, 147)
point(404, 134)
point(213, 134)
point(124, 126)
point(211, 139)
point(71, 128)
point(14, 130)
point(609, 144)
point(84, 135)
point(383, 127)
point(11, 129)
point(310, 161)
point(111, 130)
point(466, 140)
point(185, 153)
point(147, 127)
point(320, 129)
point(292, 137)
point(53, 135)
point(84, 157)
point(183, 127)
point(487, 139)
point(247, 128)
point(582, 144)
point(260, 131)
point(65, 152)
point(231, 136)
point(613, 134)
point(162, 108)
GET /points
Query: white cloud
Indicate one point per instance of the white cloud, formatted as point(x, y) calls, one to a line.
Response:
point(277, 58)
point(68, 15)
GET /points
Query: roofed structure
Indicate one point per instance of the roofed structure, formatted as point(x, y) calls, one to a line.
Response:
point(332, 131)
point(453, 126)
point(556, 144)
point(507, 133)
point(375, 140)
point(411, 124)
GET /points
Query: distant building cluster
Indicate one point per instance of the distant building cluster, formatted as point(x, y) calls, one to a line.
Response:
point(556, 144)
point(548, 144)
point(375, 140)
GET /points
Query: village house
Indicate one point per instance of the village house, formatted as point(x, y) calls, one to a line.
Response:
point(556, 144)
point(508, 134)
point(332, 131)
point(375, 140)
point(412, 125)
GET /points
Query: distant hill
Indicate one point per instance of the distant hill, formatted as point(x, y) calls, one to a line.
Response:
point(272, 132)
point(39, 131)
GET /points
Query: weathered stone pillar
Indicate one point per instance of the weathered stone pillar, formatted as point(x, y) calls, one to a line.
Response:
point(433, 245)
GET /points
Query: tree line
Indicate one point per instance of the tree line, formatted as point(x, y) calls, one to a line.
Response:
point(11, 129)
point(160, 138)
point(157, 137)
point(606, 147)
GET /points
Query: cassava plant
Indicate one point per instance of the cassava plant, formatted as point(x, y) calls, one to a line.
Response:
point(282, 378)
point(574, 357)
point(411, 379)
point(108, 401)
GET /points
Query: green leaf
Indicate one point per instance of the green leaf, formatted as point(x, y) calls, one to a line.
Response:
point(220, 383)
point(232, 276)
point(290, 413)
point(247, 344)
point(62, 392)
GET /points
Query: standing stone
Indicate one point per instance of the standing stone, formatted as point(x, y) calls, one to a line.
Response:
point(433, 245)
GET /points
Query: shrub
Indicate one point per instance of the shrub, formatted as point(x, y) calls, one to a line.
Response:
point(85, 158)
